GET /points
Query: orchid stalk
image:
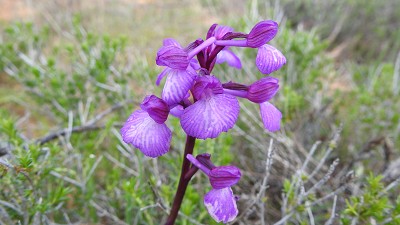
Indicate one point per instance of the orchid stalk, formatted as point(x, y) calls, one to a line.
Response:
point(206, 107)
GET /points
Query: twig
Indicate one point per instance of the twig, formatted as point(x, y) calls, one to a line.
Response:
point(325, 178)
point(93, 168)
point(310, 214)
point(89, 126)
point(396, 76)
point(330, 220)
point(263, 186)
point(388, 220)
point(67, 179)
point(11, 206)
point(390, 186)
point(106, 213)
point(121, 165)
point(284, 219)
point(65, 131)
point(110, 110)
point(332, 145)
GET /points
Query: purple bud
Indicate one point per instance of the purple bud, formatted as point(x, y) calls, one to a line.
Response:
point(224, 176)
point(263, 89)
point(173, 57)
point(262, 33)
point(157, 109)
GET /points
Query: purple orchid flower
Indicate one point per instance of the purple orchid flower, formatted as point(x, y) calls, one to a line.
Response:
point(269, 59)
point(213, 112)
point(145, 128)
point(260, 92)
point(219, 201)
point(180, 71)
point(206, 107)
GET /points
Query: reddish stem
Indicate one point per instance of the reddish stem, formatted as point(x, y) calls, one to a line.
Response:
point(183, 181)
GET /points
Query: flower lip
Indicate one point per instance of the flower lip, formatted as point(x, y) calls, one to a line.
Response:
point(157, 109)
point(269, 59)
point(151, 138)
point(270, 116)
point(221, 204)
point(262, 33)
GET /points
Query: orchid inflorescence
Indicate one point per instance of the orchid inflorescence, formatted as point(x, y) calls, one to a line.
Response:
point(205, 106)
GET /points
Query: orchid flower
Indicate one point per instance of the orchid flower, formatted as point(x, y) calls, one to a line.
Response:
point(205, 106)
point(219, 201)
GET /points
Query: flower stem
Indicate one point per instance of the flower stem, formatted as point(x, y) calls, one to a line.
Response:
point(183, 181)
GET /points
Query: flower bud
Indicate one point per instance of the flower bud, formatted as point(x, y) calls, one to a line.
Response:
point(224, 176)
point(262, 33)
point(157, 109)
point(263, 89)
point(172, 56)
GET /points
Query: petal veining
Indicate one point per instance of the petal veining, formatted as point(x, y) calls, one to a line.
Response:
point(210, 116)
point(150, 137)
point(221, 205)
point(270, 116)
point(269, 59)
point(177, 85)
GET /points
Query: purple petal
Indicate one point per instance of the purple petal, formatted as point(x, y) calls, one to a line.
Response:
point(224, 176)
point(194, 64)
point(161, 76)
point(157, 109)
point(177, 111)
point(206, 85)
point(228, 56)
point(173, 57)
point(262, 33)
point(269, 59)
point(210, 116)
point(211, 30)
point(171, 41)
point(221, 30)
point(270, 116)
point(177, 85)
point(221, 205)
point(263, 89)
point(197, 163)
point(150, 137)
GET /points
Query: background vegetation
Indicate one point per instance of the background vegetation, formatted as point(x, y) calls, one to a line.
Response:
point(72, 72)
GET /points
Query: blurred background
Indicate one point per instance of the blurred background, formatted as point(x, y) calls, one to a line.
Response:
point(71, 72)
